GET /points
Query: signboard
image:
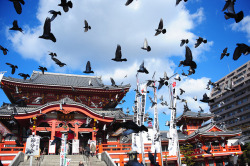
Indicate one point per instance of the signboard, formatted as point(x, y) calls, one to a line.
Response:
point(52, 148)
point(75, 146)
point(32, 146)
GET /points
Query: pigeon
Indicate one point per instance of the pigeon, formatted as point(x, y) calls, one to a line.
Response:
point(59, 63)
point(152, 159)
point(112, 82)
point(25, 76)
point(142, 69)
point(38, 99)
point(118, 54)
point(224, 53)
point(195, 98)
point(88, 68)
point(47, 31)
point(65, 5)
point(160, 28)
point(55, 13)
point(42, 69)
point(178, 78)
point(4, 50)
point(183, 73)
point(90, 82)
point(128, 2)
point(163, 81)
point(13, 67)
point(191, 71)
point(16, 27)
point(181, 91)
point(241, 49)
point(86, 26)
point(208, 149)
point(178, 1)
point(17, 5)
point(184, 41)
point(229, 86)
point(52, 54)
point(201, 110)
point(146, 46)
point(188, 59)
point(199, 41)
point(206, 99)
point(152, 101)
point(132, 127)
point(56, 139)
point(230, 11)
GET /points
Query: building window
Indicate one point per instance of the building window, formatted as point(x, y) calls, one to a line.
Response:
point(243, 67)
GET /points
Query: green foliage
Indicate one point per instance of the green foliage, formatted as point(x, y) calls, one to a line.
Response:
point(187, 150)
point(245, 157)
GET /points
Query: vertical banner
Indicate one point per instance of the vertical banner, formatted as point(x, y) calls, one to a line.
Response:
point(52, 148)
point(1, 75)
point(75, 146)
point(32, 145)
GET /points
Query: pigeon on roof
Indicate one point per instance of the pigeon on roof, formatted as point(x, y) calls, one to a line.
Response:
point(42, 69)
point(118, 55)
point(160, 29)
point(16, 27)
point(47, 31)
point(86, 26)
point(17, 5)
point(25, 76)
point(229, 6)
point(54, 14)
point(66, 5)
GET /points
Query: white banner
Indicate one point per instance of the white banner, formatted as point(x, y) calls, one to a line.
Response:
point(32, 146)
point(1, 75)
point(52, 148)
point(75, 146)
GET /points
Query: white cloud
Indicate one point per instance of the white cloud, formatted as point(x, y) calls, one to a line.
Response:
point(243, 26)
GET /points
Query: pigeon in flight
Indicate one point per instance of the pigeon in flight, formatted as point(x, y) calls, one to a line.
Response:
point(47, 31)
point(17, 5)
point(152, 101)
point(42, 69)
point(55, 13)
point(178, 78)
point(230, 11)
point(118, 54)
point(88, 68)
point(112, 82)
point(146, 46)
point(128, 2)
point(184, 41)
point(195, 98)
point(142, 69)
point(66, 5)
point(4, 50)
point(163, 81)
point(59, 63)
point(25, 76)
point(152, 159)
point(160, 28)
point(16, 27)
point(199, 41)
point(86, 26)
point(191, 71)
point(206, 99)
point(132, 127)
point(183, 73)
point(181, 91)
point(52, 54)
point(241, 49)
point(178, 1)
point(224, 53)
point(13, 67)
point(188, 59)
point(208, 149)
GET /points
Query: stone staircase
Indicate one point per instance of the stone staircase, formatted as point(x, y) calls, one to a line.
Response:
point(54, 160)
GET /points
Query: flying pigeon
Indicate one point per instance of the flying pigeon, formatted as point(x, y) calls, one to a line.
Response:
point(112, 82)
point(178, 78)
point(142, 69)
point(55, 13)
point(181, 91)
point(52, 54)
point(230, 11)
point(199, 41)
point(188, 59)
point(208, 149)
point(152, 101)
point(191, 71)
point(195, 98)
point(132, 127)
point(13, 67)
point(128, 2)
point(163, 81)
point(65, 5)
point(229, 86)
point(86, 26)
point(88, 68)
point(183, 73)
point(4, 50)
point(42, 69)
point(206, 99)
point(24, 75)
point(146, 46)
point(178, 1)
point(59, 63)
point(224, 53)
point(241, 49)
point(160, 28)
point(47, 31)
point(17, 5)
point(38, 99)
point(118, 54)
point(184, 41)
point(16, 27)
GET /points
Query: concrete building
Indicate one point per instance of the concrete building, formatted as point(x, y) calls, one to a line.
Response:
point(232, 100)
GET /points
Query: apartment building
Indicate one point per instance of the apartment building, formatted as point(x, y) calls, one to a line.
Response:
point(232, 104)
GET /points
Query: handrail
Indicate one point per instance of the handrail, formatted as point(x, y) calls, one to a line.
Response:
point(19, 158)
point(107, 159)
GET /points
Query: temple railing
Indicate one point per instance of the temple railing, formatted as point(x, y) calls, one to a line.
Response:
point(19, 158)
point(107, 159)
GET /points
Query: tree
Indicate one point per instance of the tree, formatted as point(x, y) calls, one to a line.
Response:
point(187, 150)
point(245, 157)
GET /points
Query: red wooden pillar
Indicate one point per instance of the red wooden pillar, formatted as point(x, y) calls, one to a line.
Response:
point(140, 157)
point(53, 129)
point(159, 158)
point(206, 162)
point(121, 157)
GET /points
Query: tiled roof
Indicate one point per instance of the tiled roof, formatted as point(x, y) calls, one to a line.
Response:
point(164, 135)
point(195, 115)
point(77, 81)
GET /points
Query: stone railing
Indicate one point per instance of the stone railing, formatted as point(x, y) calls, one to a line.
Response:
point(107, 159)
point(19, 158)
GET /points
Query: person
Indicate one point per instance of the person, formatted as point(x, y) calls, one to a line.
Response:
point(92, 148)
point(87, 151)
point(81, 163)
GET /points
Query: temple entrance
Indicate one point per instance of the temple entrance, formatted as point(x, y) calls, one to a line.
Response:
point(44, 141)
point(83, 138)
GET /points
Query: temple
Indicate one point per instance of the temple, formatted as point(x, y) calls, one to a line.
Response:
point(84, 109)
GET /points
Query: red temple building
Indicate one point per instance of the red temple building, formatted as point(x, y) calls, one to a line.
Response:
point(50, 104)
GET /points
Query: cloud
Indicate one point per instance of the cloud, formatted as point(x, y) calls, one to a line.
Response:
point(243, 26)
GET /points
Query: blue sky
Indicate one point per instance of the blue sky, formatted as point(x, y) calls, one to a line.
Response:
point(114, 23)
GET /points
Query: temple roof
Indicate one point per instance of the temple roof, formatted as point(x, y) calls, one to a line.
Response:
point(58, 79)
